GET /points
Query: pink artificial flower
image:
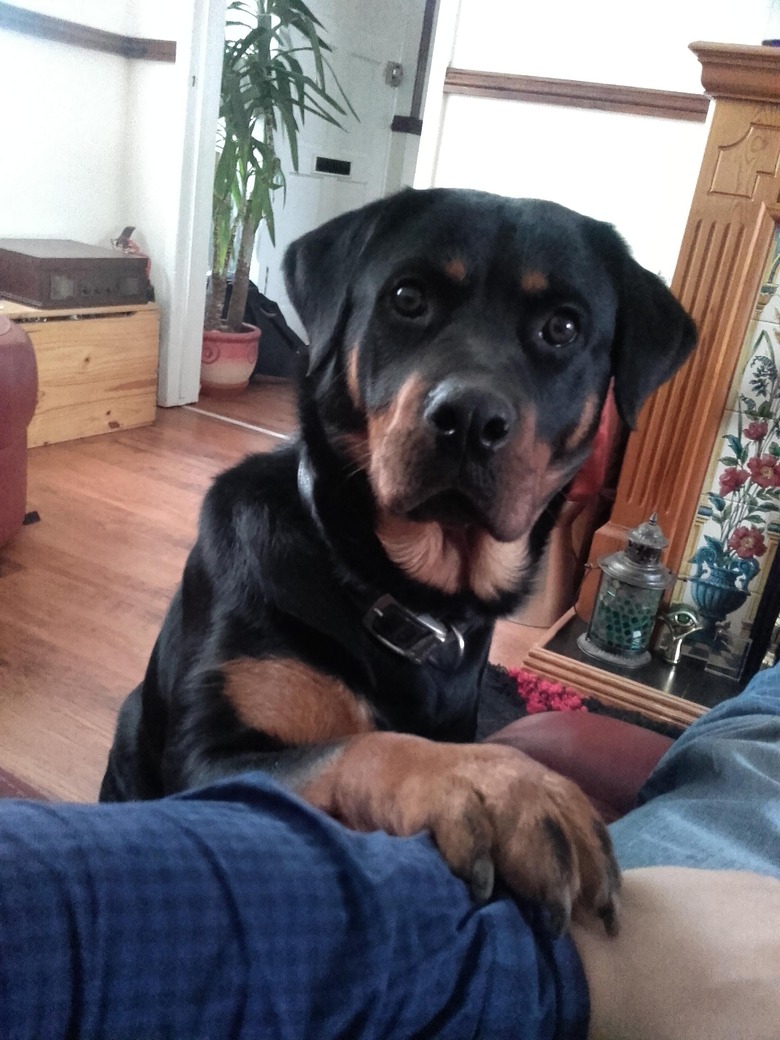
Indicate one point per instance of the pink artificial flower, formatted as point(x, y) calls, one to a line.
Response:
point(756, 430)
point(765, 470)
point(543, 694)
point(747, 542)
point(731, 479)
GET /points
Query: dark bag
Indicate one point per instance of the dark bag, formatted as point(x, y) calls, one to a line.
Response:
point(279, 345)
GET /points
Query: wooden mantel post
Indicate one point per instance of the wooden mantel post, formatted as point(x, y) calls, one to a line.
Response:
point(727, 238)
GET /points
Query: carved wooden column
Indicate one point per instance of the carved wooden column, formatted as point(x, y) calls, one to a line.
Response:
point(735, 208)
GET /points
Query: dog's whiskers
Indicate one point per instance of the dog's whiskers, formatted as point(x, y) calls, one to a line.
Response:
point(358, 452)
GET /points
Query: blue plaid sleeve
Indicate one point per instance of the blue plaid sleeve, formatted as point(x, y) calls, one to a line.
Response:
point(240, 913)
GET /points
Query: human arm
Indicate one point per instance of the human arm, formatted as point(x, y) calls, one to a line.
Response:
point(240, 911)
point(203, 915)
point(697, 958)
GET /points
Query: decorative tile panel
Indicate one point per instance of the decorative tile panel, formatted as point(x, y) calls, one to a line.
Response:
point(736, 531)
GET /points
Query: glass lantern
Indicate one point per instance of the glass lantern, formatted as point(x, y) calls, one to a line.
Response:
point(632, 584)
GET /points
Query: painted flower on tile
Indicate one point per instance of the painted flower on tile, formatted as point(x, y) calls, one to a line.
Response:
point(747, 542)
point(745, 495)
point(765, 470)
point(749, 482)
point(756, 430)
point(731, 479)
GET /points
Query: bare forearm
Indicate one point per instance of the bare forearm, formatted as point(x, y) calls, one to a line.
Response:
point(697, 958)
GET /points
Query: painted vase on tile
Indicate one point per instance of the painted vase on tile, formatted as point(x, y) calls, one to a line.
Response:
point(228, 360)
point(720, 590)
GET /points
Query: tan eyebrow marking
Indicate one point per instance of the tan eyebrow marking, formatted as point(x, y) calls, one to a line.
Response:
point(455, 269)
point(534, 282)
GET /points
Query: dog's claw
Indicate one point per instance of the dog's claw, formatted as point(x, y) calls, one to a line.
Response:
point(559, 914)
point(482, 880)
point(498, 814)
point(609, 914)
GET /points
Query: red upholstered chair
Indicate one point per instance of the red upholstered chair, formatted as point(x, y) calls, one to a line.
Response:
point(609, 759)
point(18, 392)
point(564, 559)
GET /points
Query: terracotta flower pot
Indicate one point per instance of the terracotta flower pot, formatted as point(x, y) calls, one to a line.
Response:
point(228, 360)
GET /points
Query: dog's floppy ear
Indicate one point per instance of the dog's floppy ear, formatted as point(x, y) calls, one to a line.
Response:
point(318, 269)
point(654, 334)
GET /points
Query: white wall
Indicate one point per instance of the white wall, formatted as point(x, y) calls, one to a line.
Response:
point(636, 172)
point(606, 41)
point(103, 141)
point(63, 151)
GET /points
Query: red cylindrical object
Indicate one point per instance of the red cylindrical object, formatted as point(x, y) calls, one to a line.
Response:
point(18, 393)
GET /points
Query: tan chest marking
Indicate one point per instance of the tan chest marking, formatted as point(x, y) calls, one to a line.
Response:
point(497, 567)
point(451, 562)
point(293, 702)
point(421, 551)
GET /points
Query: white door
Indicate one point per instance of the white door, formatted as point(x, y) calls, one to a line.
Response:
point(365, 36)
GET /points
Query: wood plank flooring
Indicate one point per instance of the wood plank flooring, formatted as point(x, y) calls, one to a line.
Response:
point(268, 404)
point(84, 591)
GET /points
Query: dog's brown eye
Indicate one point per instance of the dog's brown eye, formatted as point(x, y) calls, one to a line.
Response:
point(409, 299)
point(561, 328)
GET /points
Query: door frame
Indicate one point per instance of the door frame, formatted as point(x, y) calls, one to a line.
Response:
point(179, 377)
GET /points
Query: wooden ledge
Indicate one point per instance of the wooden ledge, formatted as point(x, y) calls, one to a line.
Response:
point(605, 97)
point(616, 691)
point(23, 312)
point(735, 71)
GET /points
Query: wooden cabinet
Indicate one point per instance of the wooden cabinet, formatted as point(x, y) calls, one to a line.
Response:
point(97, 368)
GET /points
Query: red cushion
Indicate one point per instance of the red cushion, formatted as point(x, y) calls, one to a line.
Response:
point(607, 758)
point(18, 380)
point(18, 391)
point(592, 475)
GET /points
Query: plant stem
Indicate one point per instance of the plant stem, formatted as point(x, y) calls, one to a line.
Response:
point(238, 298)
point(215, 302)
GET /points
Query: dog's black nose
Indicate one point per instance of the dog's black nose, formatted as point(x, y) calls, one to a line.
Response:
point(469, 415)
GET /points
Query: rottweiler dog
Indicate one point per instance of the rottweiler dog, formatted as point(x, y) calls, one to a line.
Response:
point(334, 618)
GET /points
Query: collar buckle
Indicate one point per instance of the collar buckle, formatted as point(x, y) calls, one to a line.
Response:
point(413, 636)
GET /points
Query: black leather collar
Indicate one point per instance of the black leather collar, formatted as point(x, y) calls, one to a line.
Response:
point(419, 638)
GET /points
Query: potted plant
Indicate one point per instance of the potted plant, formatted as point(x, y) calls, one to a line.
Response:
point(265, 90)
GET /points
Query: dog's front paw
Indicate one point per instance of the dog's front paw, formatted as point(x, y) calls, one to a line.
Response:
point(493, 811)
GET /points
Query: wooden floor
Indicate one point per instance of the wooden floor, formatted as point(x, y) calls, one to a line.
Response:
point(267, 405)
point(83, 592)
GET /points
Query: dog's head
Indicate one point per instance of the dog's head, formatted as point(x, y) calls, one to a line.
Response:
point(461, 347)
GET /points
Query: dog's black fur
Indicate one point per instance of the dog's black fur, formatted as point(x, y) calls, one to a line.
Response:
point(461, 348)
